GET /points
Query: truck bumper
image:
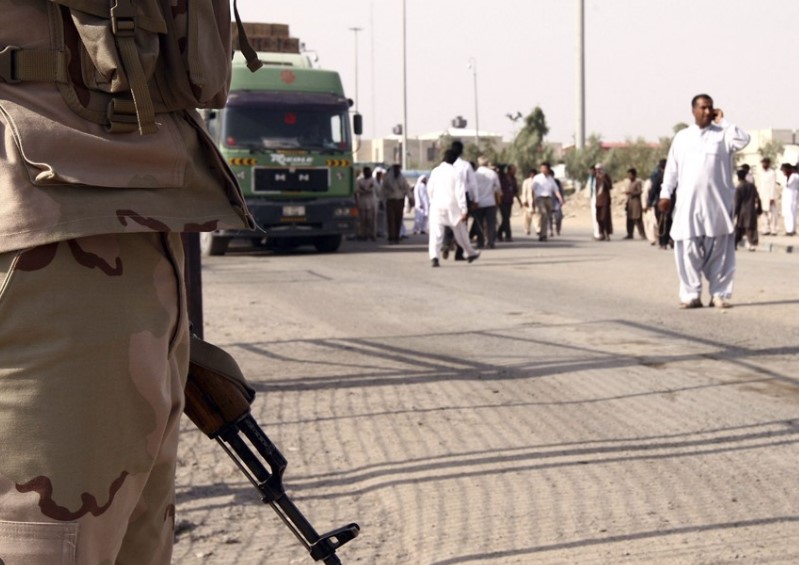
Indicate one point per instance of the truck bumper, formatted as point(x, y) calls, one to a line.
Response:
point(300, 218)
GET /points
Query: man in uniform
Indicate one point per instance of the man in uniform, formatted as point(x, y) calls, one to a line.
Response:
point(94, 333)
point(699, 167)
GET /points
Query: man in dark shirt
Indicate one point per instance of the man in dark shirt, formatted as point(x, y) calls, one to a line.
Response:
point(663, 218)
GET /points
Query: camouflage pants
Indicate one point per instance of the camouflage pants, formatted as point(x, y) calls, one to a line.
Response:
point(93, 358)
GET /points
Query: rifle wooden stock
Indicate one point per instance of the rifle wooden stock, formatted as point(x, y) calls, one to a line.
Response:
point(217, 394)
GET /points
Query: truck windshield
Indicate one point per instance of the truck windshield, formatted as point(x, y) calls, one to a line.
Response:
point(315, 127)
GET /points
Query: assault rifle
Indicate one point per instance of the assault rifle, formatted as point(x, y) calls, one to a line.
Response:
point(218, 400)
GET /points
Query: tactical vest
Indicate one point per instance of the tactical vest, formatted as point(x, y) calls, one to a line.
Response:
point(120, 62)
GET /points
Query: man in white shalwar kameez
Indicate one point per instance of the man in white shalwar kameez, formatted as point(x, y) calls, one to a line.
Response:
point(421, 205)
point(468, 177)
point(790, 195)
point(448, 209)
point(699, 168)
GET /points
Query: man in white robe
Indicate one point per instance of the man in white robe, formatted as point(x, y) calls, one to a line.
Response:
point(421, 205)
point(591, 185)
point(699, 168)
point(447, 209)
point(767, 189)
point(789, 198)
point(467, 177)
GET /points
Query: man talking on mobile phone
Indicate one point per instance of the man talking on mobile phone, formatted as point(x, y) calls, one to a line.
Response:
point(699, 169)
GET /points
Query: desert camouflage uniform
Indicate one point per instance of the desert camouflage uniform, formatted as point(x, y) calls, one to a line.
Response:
point(93, 325)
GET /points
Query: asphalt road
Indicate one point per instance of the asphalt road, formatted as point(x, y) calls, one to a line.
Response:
point(548, 403)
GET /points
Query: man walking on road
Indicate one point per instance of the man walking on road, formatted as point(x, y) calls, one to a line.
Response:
point(700, 164)
point(485, 216)
point(448, 209)
point(528, 200)
point(545, 190)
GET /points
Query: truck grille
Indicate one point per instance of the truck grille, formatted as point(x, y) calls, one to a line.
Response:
point(269, 179)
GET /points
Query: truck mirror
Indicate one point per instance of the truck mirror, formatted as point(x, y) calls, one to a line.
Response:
point(357, 124)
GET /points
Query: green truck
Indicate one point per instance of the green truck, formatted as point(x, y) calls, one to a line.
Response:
point(285, 132)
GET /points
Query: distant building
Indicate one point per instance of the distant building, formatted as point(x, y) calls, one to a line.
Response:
point(424, 151)
point(608, 145)
point(761, 137)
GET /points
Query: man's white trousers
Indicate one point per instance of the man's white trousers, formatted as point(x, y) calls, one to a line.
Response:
point(439, 220)
point(713, 257)
point(789, 210)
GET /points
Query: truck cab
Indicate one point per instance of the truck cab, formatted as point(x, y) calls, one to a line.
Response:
point(285, 132)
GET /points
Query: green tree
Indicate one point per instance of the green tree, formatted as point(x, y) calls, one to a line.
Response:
point(578, 161)
point(528, 149)
point(487, 147)
point(678, 126)
point(636, 154)
point(772, 150)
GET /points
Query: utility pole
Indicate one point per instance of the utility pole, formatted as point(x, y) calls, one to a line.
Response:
point(579, 138)
point(355, 31)
point(473, 67)
point(373, 68)
point(404, 89)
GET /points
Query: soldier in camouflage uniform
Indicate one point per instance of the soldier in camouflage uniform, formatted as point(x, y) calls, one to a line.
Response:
point(93, 324)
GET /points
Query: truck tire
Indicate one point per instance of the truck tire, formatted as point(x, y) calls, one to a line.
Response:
point(212, 244)
point(327, 243)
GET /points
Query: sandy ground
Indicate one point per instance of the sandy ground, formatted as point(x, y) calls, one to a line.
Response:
point(545, 404)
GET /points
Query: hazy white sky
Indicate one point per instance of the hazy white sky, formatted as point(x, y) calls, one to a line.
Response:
point(645, 59)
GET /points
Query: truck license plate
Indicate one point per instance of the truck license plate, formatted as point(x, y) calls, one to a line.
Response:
point(293, 211)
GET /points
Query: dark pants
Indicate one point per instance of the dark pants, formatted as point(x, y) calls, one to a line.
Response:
point(394, 208)
point(504, 226)
point(750, 233)
point(632, 223)
point(663, 227)
point(485, 222)
point(449, 243)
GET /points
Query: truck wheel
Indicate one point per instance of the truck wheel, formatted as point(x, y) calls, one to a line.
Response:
point(327, 243)
point(211, 244)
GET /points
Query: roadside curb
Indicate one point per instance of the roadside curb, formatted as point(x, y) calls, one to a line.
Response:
point(777, 248)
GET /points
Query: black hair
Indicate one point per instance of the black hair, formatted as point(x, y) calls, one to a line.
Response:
point(457, 147)
point(741, 174)
point(633, 171)
point(450, 156)
point(699, 97)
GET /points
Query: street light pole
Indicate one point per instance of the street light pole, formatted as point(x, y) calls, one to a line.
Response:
point(579, 141)
point(355, 31)
point(473, 67)
point(404, 90)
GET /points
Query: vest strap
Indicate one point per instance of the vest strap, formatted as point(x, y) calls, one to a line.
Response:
point(40, 65)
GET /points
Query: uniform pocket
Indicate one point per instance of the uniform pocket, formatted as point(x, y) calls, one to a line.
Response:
point(33, 543)
point(59, 147)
